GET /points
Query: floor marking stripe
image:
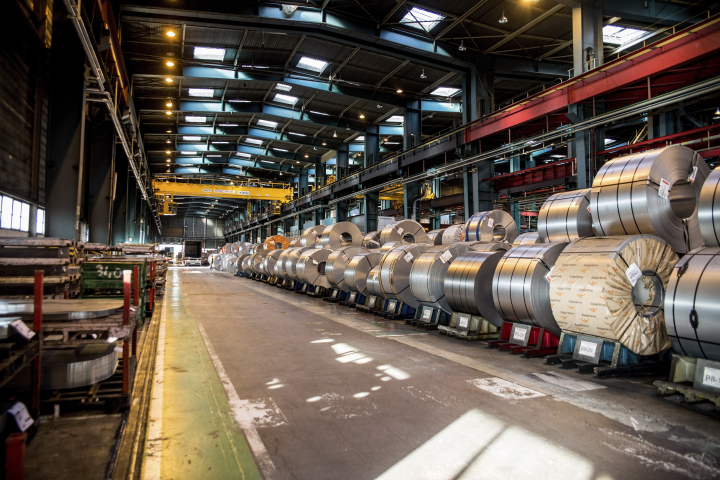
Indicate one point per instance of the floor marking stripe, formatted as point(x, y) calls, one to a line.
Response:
point(154, 437)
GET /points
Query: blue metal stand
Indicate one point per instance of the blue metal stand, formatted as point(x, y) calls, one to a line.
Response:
point(428, 317)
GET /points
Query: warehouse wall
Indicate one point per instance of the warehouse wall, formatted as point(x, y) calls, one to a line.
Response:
point(192, 227)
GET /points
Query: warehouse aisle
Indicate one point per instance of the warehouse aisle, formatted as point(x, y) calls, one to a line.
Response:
point(323, 392)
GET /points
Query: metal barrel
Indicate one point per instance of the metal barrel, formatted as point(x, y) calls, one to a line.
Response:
point(373, 282)
point(357, 270)
point(427, 276)
point(453, 233)
point(527, 238)
point(466, 285)
point(371, 240)
point(395, 269)
point(341, 234)
point(565, 217)
point(311, 267)
point(436, 236)
point(407, 231)
point(337, 263)
point(491, 226)
point(311, 236)
point(709, 210)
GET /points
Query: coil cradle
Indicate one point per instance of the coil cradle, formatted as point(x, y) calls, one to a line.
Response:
point(436, 236)
point(311, 270)
point(341, 234)
point(709, 210)
point(565, 217)
point(406, 231)
point(311, 236)
point(374, 290)
point(336, 266)
point(356, 276)
point(651, 193)
point(526, 238)
point(491, 226)
point(395, 269)
point(371, 240)
point(453, 233)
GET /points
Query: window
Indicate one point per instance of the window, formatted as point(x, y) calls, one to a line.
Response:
point(196, 119)
point(286, 99)
point(267, 123)
point(312, 64)
point(201, 92)
point(191, 138)
point(283, 87)
point(243, 154)
point(421, 19)
point(40, 223)
point(445, 91)
point(205, 53)
point(396, 119)
point(617, 35)
point(254, 140)
point(15, 215)
point(361, 138)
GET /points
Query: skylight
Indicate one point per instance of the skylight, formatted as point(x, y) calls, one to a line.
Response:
point(228, 125)
point(361, 138)
point(396, 119)
point(280, 149)
point(243, 154)
point(421, 19)
point(206, 53)
point(298, 134)
point(219, 142)
point(196, 119)
point(191, 139)
point(267, 123)
point(188, 153)
point(254, 141)
point(608, 141)
point(239, 101)
point(319, 113)
point(312, 64)
point(201, 92)
point(283, 87)
point(266, 161)
point(617, 35)
point(287, 99)
point(445, 91)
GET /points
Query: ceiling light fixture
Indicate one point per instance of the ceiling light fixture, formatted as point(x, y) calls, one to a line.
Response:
point(422, 75)
point(503, 19)
point(399, 90)
point(167, 160)
point(168, 152)
point(335, 134)
point(168, 113)
point(717, 112)
point(169, 80)
point(362, 115)
point(307, 156)
point(168, 104)
point(170, 64)
point(324, 143)
point(170, 33)
point(167, 141)
point(169, 131)
point(462, 46)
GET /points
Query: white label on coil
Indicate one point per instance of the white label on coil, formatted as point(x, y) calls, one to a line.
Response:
point(549, 274)
point(22, 417)
point(711, 377)
point(633, 273)
point(375, 276)
point(520, 334)
point(119, 349)
point(400, 230)
point(445, 257)
point(315, 262)
point(691, 178)
point(491, 222)
point(587, 348)
point(345, 257)
point(22, 329)
point(314, 232)
point(408, 257)
point(664, 190)
point(463, 322)
point(427, 313)
point(392, 305)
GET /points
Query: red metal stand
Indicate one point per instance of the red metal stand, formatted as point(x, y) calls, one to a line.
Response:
point(540, 342)
point(126, 321)
point(15, 456)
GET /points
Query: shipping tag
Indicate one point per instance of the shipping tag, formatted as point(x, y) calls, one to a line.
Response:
point(22, 329)
point(345, 257)
point(22, 417)
point(427, 313)
point(711, 377)
point(400, 230)
point(520, 334)
point(633, 273)
point(691, 178)
point(491, 222)
point(587, 348)
point(664, 190)
point(463, 322)
point(408, 257)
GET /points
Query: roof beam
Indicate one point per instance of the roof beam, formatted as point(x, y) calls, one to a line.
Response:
point(457, 21)
point(398, 4)
point(294, 51)
point(345, 62)
point(239, 49)
point(439, 82)
point(394, 71)
point(525, 27)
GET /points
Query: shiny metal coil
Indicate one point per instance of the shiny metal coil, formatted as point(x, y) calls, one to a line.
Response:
point(625, 198)
point(276, 242)
point(521, 291)
point(78, 367)
point(427, 276)
point(565, 217)
point(709, 210)
point(270, 262)
point(337, 263)
point(291, 262)
point(311, 267)
point(395, 269)
point(489, 247)
point(240, 260)
point(491, 226)
point(454, 233)
point(257, 261)
point(246, 264)
point(692, 309)
point(407, 231)
point(311, 236)
point(217, 261)
point(436, 236)
point(280, 265)
point(371, 240)
point(231, 263)
point(527, 238)
point(357, 270)
point(389, 246)
point(373, 283)
point(467, 285)
point(341, 234)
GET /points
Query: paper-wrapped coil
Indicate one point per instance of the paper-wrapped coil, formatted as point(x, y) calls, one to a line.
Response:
point(371, 240)
point(311, 267)
point(436, 236)
point(527, 238)
point(467, 289)
point(395, 269)
point(373, 283)
point(692, 311)
point(270, 262)
point(521, 290)
point(357, 270)
point(592, 293)
point(406, 231)
point(454, 233)
point(650, 193)
point(276, 242)
point(291, 263)
point(565, 217)
point(709, 210)
point(427, 276)
point(341, 234)
point(311, 236)
point(337, 263)
point(491, 226)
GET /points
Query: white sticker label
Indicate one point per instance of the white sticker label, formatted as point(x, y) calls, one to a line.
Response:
point(691, 178)
point(408, 257)
point(314, 232)
point(22, 329)
point(491, 222)
point(633, 273)
point(371, 302)
point(549, 274)
point(463, 322)
point(427, 313)
point(119, 349)
point(392, 305)
point(400, 230)
point(520, 334)
point(315, 262)
point(711, 377)
point(664, 190)
point(345, 257)
point(352, 296)
point(375, 276)
point(587, 348)
point(22, 417)
point(445, 257)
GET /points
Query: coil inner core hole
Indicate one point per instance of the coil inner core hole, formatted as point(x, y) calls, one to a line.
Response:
point(647, 294)
point(682, 200)
point(345, 238)
point(408, 238)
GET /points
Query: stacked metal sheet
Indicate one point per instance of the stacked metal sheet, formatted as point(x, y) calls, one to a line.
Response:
point(428, 273)
point(406, 231)
point(337, 263)
point(709, 210)
point(341, 234)
point(395, 269)
point(358, 269)
point(565, 217)
point(491, 226)
point(311, 267)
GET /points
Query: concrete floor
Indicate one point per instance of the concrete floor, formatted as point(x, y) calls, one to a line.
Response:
point(254, 379)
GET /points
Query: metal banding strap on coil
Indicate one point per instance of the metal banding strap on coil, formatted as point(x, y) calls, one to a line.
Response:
point(311, 236)
point(373, 282)
point(276, 242)
point(357, 270)
point(709, 210)
point(371, 240)
point(291, 263)
point(337, 263)
point(395, 269)
point(311, 267)
point(406, 231)
point(491, 226)
point(341, 234)
point(520, 287)
point(78, 367)
point(427, 276)
point(527, 238)
point(453, 233)
point(650, 193)
point(565, 217)
point(436, 236)
point(614, 288)
point(692, 309)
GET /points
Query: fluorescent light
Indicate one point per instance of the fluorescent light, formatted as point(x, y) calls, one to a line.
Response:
point(312, 64)
point(298, 134)
point(445, 91)
point(421, 19)
point(214, 155)
point(254, 140)
point(267, 123)
point(319, 113)
point(283, 87)
point(206, 53)
point(287, 99)
point(220, 142)
point(280, 149)
point(191, 138)
point(196, 119)
point(361, 138)
point(391, 143)
point(243, 154)
point(396, 119)
point(201, 92)
point(617, 35)
point(558, 156)
point(267, 161)
point(188, 153)
point(253, 66)
point(239, 101)
point(228, 125)
point(608, 141)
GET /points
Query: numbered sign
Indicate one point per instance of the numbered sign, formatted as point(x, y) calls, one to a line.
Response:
point(352, 297)
point(520, 334)
point(707, 375)
point(371, 300)
point(588, 349)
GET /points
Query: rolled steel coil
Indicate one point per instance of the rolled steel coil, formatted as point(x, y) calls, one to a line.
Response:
point(246, 264)
point(357, 270)
point(467, 286)
point(709, 210)
point(489, 247)
point(373, 283)
point(371, 240)
point(407, 231)
point(257, 261)
point(311, 267)
point(291, 263)
point(78, 367)
point(234, 247)
point(692, 312)
point(336, 264)
point(311, 236)
point(341, 234)
point(565, 217)
point(527, 238)
point(626, 196)
point(592, 290)
point(280, 266)
point(427, 276)
point(270, 262)
point(454, 233)
point(436, 236)
point(491, 226)
point(240, 261)
point(521, 289)
point(395, 269)
point(389, 246)
point(217, 262)
point(231, 263)
point(276, 242)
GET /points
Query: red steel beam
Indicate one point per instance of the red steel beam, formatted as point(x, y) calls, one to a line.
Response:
point(662, 141)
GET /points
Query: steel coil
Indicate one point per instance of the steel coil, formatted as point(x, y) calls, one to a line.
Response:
point(565, 217)
point(491, 226)
point(78, 367)
point(709, 210)
point(291, 262)
point(311, 236)
point(257, 261)
point(407, 231)
point(371, 240)
point(336, 264)
point(358, 268)
point(241, 262)
point(341, 234)
point(467, 289)
point(395, 269)
point(373, 282)
point(276, 242)
point(217, 262)
point(246, 264)
point(436, 236)
point(311, 267)
point(231, 263)
point(270, 262)
point(521, 289)
point(280, 265)
point(454, 233)
point(427, 276)
point(527, 238)
point(692, 312)
point(626, 196)
point(389, 246)
point(489, 247)
point(592, 292)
